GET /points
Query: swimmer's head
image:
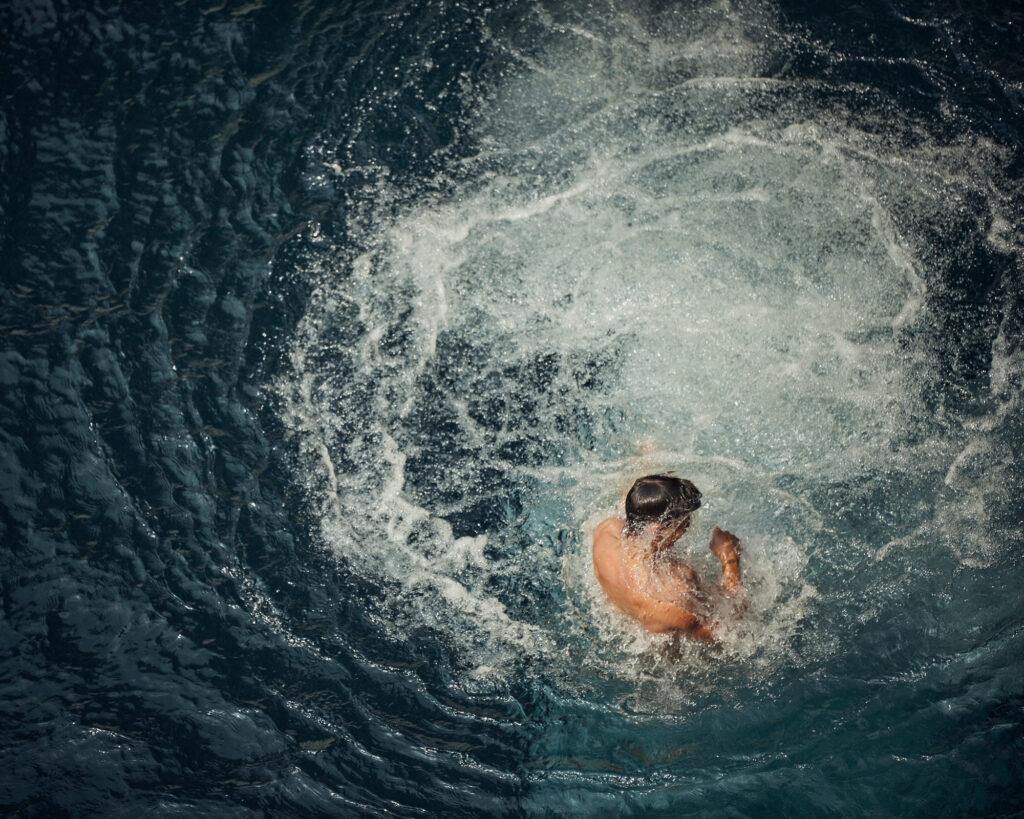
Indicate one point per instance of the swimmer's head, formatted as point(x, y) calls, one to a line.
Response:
point(663, 499)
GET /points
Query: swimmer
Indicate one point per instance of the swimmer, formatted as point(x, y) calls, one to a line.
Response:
point(634, 567)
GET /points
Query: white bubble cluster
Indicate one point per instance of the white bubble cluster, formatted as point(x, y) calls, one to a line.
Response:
point(658, 258)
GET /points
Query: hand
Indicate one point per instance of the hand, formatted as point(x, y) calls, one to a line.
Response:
point(724, 545)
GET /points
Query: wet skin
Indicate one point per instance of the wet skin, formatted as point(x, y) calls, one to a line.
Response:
point(658, 590)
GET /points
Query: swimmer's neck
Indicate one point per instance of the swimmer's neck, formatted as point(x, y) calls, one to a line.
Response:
point(655, 540)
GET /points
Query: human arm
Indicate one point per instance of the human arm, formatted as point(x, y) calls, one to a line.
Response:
point(665, 616)
point(692, 610)
point(701, 631)
point(726, 547)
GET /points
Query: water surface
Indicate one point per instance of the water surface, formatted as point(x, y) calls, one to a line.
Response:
point(330, 332)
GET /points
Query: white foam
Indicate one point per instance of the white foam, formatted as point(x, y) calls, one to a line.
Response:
point(740, 284)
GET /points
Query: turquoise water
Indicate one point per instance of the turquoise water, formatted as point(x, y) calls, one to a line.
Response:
point(330, 333)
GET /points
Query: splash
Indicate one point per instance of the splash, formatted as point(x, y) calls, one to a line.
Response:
point(659, 257)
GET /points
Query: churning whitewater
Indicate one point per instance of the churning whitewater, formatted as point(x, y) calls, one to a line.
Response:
point(655, 258)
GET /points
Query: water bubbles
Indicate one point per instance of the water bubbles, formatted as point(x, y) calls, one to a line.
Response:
point(658, 259)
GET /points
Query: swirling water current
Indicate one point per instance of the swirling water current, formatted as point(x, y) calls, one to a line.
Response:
point(330, 331)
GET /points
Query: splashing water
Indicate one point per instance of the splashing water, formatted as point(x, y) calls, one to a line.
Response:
point(658, 257)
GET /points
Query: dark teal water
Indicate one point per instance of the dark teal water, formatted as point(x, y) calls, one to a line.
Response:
point(329, 331)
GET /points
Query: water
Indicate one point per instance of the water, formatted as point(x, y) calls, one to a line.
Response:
point(331, 333)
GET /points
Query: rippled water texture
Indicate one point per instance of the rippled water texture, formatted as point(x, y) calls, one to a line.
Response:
point(331, 331)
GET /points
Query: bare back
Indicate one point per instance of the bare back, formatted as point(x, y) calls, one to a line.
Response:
point(655, 595)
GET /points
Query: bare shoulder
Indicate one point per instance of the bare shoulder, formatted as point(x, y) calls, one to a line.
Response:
point(611, 525)
point(607, 539)
point(605, 553)
point(608, 531)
